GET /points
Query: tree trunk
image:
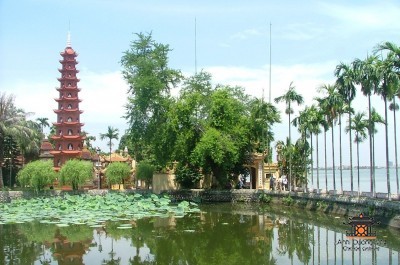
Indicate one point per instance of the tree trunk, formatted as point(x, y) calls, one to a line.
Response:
point(326, 165)
point(358, 166)
point(395, 144)
point(333, 159)
point(387, 151)
point(290, 156)
point(371, 169)
point(351, 155)
point(317, 164)
point(312, 163)
point(340, 153)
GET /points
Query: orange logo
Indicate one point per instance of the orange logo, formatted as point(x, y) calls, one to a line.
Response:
point(361, 227)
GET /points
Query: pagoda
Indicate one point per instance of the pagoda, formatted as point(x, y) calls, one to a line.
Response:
point(68, 141)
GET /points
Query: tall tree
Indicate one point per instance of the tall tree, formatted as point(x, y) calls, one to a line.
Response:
point(112, 133)
point(346, 87)
point(43, 122)
point(12, 122)
point(375, 119)
point(359, 126)
point(332, 104)
point(395, 107)
point(291, 96)
point(389, 83)
point(145, 68)
point(366, 76)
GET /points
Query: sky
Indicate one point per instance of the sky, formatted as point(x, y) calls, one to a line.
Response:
point(308, 39)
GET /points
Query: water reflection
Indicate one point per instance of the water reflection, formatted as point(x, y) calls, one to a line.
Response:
point(220, 234)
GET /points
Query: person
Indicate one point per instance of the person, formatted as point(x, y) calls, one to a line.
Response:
point(284, 182)
point(272, 182)
point(240, 183)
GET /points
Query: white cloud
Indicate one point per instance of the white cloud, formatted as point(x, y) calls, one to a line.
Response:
point(245, 34)
point(367, 16)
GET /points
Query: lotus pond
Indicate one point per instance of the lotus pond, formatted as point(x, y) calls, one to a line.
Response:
point(135, 229)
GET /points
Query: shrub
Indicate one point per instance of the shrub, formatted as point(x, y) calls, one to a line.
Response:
point(187, 176)
point(287, 200)
point(265, 198)
point(75, 172)
point(37, 174)
point(144, 171)
point(116, 172)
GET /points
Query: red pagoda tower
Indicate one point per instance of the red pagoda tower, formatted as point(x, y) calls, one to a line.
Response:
point(68, 141)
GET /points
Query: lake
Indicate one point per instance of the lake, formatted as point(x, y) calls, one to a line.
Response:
point(222, 233)
point(380, 179)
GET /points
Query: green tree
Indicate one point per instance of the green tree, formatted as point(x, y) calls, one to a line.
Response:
point(388, 85)
point(331, 105)
point(375, 119)
point(112, 133)
point(12, 122)
point(366, 77)
point(345, 83)
point(43, 122)
point(37, 175)
point(359, 126)
point(117, 172)
point(150, 79)
point(187, 176)
point(75, 173)
point(395, 107)
point(290, 96)
point(145, 171)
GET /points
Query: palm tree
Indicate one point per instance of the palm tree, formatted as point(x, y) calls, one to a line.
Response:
point(375, 118)
point(112, 133)
point(346, 87)
point(316, 120)
point(43, 122)
point(290, 96)
point(304, 127)
point(395, 107)
point(331, 104)
point(389, 83)
point(366, 77)
point(359, 125)
point(12, 122)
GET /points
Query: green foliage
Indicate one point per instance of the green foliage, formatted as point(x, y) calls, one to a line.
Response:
point(75, 172)
point(144, 171)
point(89, 209)
point(116, 172)
point(150, 79)
point(187, 176)
point(287, 200)
point(297, 156)
point(37, 174)
point(265, 198)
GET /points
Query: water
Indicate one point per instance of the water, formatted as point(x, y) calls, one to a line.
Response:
point(380, 180)
point(220, 234)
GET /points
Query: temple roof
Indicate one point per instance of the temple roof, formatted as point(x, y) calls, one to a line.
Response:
point(115, 157)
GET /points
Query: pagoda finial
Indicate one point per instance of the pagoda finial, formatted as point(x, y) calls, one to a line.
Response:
point(69, 39)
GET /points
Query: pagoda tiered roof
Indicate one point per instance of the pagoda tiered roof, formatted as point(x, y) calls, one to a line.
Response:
point(67, 110)
point(68, 99)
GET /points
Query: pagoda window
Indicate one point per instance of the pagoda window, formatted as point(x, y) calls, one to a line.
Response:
point(69, 106)
point(69, 132)
point(69, 95)
point(69, 75)
point(60, 132)
point(61, 119)
point(59, 147)
point(69, 119)
point(70, 146)
point(69, 84)
point(58, 162)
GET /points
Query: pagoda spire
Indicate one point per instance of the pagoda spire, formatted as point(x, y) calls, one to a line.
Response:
point(69, 39)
